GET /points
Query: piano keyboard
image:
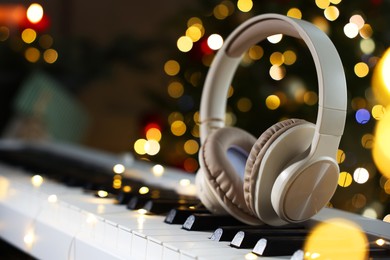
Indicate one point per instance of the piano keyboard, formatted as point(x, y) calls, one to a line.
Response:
point(55, 221)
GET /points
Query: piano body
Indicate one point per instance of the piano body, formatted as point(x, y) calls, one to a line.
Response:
point(50, 220)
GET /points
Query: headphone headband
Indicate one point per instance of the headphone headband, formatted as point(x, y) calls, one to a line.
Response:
point(330, 73)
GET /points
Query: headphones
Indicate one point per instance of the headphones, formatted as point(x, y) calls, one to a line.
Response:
point(290, 173)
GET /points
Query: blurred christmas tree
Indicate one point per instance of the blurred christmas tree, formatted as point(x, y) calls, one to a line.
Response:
point(277, 80)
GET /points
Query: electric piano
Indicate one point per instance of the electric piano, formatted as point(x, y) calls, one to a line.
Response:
point(52, 217)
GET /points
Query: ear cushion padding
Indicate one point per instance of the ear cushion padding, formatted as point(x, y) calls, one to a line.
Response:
point(257, 153)
point(219, 173)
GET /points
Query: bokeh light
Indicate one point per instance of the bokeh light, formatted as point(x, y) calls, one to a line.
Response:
point(36, 180)
point(276, 58)
point(361, 69)
point(310, 98)
point(4, 33)
point(118, 168)
point(34, 13)
point(171, 67)
point(152, 147)
point(381, 147)
point(46, 41)
point(345, 179)
point(32, 54)
point(143, 190)
point(378, 111)
point(351, 30)
point(184, 44)
point(331, 13)
point(367, 46)
point(289, 57)
point(153, 134)
point(336, 239)
point(340, 156)
point(244, 104)
point(366, 32)
point(381, 79)
point(275, 38)
point(158, 170)
point(50, 56)
point(178, 128)
point(194, 32)
point(362, 116)
point(322, 3)
point(191, 146)
point(367, 141)
point(139, 146)
point(190, 165)
point(272, 102)
point(361, 175)
point(215, 41)
point(277, 72)
point(244, 5)
point(295, 13)
point(29, 35)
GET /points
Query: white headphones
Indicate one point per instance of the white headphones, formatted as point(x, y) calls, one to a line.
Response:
point(290, 172)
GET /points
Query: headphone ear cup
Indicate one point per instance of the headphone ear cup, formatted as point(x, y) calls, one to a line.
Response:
point(274, 149)
point(222, 159)
point(304, 188)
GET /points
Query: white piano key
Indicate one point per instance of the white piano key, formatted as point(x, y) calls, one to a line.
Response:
point(157, 239)
point(110, 234)
point(86, 249)
point(138, 245)
point(170, 252)
point(124, 242)
point(135, 221)
point(221, 252)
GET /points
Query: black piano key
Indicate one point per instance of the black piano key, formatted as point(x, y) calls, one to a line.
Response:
point(124, 197)
point(137, 202)
point(249, 238)
point(278, 246)
point(227, 233)
point(179, 215)
point(163, 206)
point(207, 222)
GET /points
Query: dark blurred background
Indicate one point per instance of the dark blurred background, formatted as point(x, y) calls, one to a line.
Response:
point(126, 76)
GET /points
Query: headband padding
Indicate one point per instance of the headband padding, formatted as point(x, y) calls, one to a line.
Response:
point(257, 153)
point(221, 174)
